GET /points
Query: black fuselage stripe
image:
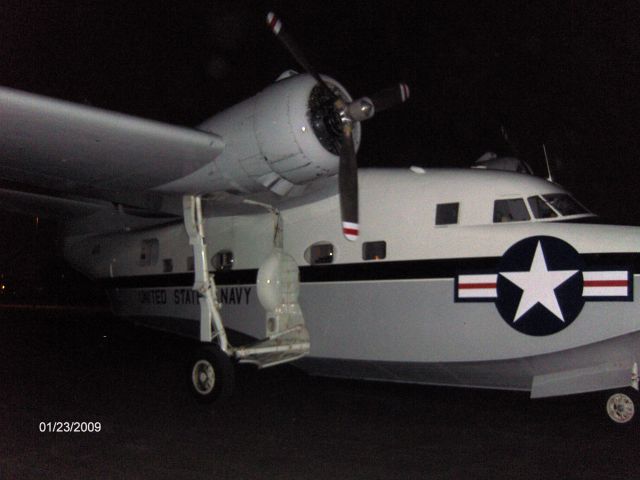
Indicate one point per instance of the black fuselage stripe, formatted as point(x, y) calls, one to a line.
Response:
point(374, 270)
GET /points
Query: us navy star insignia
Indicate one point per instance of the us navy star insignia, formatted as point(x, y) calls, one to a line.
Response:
point(538, 285)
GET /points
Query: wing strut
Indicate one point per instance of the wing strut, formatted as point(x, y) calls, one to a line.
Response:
point(211, 327)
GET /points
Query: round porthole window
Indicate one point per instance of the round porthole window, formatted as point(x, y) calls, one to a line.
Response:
point(222, 260)
point(319, 253)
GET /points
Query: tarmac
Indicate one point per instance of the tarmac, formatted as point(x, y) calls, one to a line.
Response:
point(61, 365)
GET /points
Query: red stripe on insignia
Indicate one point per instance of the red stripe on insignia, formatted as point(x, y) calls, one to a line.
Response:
point(350, 231)
point(469, 286)
point(606, 283)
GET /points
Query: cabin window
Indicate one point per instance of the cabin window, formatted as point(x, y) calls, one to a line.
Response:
point(167, 265)
point(319, 253)
point(222, 260)
point(447, 213)
point(374, 250)
point(540, 208)
point(149, 250)
point(512, 210)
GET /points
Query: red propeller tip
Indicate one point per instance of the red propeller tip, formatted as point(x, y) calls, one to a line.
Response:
point(274, 23)
point(351, 231)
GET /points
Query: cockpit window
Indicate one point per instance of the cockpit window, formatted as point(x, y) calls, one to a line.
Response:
point(540, 208)
point(511, 210)
point(565, 204)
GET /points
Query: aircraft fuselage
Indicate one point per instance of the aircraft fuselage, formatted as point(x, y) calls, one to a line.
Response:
point(460, 277)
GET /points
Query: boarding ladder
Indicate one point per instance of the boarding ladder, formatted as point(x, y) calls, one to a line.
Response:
point(278, 286)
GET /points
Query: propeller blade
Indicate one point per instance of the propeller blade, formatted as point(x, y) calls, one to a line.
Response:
point(390, 97)
point(348, 184)
point(276, 26)
point(356, 111)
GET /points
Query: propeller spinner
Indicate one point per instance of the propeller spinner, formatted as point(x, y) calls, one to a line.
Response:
point(356, 111)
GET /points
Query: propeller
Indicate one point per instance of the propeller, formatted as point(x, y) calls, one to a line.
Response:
point(356, 111)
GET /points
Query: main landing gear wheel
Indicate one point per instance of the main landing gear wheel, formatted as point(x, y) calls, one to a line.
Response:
point(211, 375)
point(621, 407)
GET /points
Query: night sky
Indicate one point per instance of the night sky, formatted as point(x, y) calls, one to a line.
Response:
point(566, 74)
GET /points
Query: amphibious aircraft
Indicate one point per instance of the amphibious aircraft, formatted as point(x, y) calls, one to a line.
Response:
point(257, 224)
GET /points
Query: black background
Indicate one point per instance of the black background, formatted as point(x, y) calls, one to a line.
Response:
point(564, 74)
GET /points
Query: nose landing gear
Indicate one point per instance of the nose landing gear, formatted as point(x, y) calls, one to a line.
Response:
point(621, 407)
point(211, 374)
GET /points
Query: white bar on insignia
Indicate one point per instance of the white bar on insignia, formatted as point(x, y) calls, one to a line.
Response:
point(466, 279)
point(605, 292)
point(477, 286)
point(478, 293)
point(606, 284)
point(604, 276)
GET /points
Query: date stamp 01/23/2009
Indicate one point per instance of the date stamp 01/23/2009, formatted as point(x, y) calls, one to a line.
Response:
point(69, 427)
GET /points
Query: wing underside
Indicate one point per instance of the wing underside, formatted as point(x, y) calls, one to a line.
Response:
point(28, 203)
point(78, 149)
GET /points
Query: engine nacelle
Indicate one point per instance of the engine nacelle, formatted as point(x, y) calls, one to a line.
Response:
point(285, 136)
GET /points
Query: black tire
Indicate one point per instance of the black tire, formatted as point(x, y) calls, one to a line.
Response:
point(622, 406)
point(211, 375)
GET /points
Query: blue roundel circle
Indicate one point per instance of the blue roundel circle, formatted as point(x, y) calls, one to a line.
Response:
point(540, 285)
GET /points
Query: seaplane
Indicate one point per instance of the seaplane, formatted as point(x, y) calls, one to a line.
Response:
point(256, 235)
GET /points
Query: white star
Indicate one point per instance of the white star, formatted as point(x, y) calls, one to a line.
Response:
point(538, 285)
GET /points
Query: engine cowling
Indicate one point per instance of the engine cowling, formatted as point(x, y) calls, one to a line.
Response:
point(286, 136)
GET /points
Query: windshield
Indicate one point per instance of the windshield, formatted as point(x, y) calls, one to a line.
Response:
point(540, 208)
point(550, 205)
point(565, 204)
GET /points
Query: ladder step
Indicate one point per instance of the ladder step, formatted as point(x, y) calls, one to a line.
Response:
point(266, 360)
point(276, 350)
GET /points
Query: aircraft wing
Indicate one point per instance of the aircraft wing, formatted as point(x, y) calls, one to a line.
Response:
point(74, 148)
point(29, 203)
point(280, 144)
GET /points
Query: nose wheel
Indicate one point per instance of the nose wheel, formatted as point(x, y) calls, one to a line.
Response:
point(211, 375)
point(621, 407)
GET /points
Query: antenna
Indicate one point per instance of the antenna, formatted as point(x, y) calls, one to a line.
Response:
point(546, 158)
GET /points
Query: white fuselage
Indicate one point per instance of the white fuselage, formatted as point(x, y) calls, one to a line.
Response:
point(400, 315)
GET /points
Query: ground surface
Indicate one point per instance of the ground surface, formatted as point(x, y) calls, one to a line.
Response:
point(280, 424)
